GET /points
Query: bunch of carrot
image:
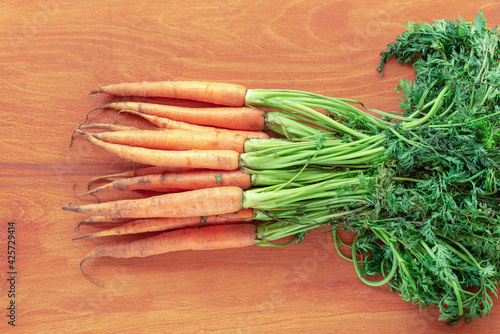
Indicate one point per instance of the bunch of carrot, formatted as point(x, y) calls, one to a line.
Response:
point(210, 167)
point(271, 165)
point(289, 160)
point(220, 166)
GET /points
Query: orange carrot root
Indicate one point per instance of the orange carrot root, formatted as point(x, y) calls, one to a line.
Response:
point(109, 127)
point(150, 170)
point(102, 219)
point(239, 118)
point(176, 140)
point(171, 223)
point(209, 159)
point(201, 202)
point(168, 124)
point(138, 172)
point(204, 238)
point(212, 92)
point(183, 181)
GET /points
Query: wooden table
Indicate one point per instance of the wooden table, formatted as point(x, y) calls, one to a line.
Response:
point(53, 52)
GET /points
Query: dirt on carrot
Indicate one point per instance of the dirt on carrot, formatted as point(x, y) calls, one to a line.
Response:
point(189, 180)
point(171, 223)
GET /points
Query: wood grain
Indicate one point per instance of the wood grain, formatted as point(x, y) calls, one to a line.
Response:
point(53, 52)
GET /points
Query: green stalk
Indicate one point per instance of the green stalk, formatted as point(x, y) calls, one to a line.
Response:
point(355, 261)
point(437, 104)
point(280, 123)
point(346, 110)
point(278, 230)
point(287, 100)
point(408, 141)
point(336, 241)
point(272, 197)
point(424, 97)
point(257, 144)
point(361, 152)
point(465, 123)
point(388, 115)
point(332, 124)
point(401, 263)
point(444, 113)
point(268, 177)
point(308, 220)
point(355, 196)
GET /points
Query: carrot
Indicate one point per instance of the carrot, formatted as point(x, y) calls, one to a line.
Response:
point(168, 124)
point(239, 118)
point(110, 127)
point(171, 223)
point(183, 181)
point(212, 92)
point(102, 219)
point(139, 172)
point(178, 140)
point(212, 159)
point(193, 203)
point(204, 238)
point(147, 171)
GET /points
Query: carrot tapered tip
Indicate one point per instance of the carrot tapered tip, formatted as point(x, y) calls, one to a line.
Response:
point(71, 208)
point(84, 275)
point(89, 192)
point(78, 226)
point(81, 237)
point(96, 91)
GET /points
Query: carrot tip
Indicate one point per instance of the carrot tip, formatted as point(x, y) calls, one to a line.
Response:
point(81, 237)
point(71, 208)
point(76, 229)
point(71, 139)
point(94, 109)
point(96, 179)
point(89, 192)
point(84, 275)
point(95, 91)
point(74, 243)
point(104, 106)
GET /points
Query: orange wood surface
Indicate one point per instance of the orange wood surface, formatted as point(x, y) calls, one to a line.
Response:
point(54, 52)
